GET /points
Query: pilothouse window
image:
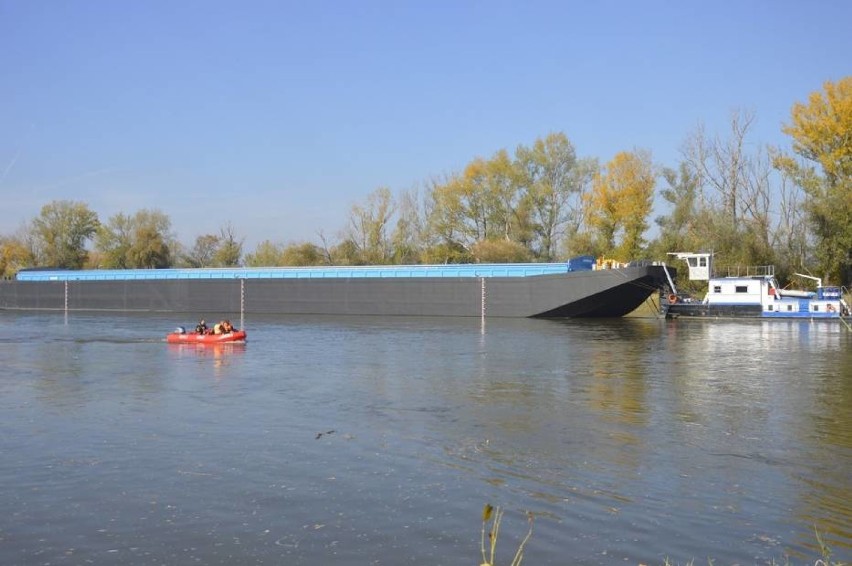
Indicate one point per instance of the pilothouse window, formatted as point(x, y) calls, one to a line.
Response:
point(741, 289)
point(717, 288)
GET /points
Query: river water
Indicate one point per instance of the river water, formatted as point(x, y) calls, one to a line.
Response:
point(379, 441)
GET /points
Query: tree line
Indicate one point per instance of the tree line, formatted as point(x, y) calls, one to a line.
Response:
point(750, 204)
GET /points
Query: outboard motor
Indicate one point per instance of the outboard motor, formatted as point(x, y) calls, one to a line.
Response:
point(180, 330)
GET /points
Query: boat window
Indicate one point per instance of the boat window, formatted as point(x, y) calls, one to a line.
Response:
point(742, 289)
point(717, 288)
point(769, 307)
point(789, 307)
point(702, 262)
point(691, 262)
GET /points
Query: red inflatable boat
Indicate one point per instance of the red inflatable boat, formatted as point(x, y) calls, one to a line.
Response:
point(194, 338)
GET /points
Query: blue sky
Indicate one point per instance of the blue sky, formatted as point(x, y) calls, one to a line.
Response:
point(278, 116)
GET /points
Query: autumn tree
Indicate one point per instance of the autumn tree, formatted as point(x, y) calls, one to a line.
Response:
point(555, 181)
point(302, 254)
point(446, 253)
point(202, 252)
point(721, 163)
point(141, 241)
point(619, 204)
point(484, 202)
point(151, 249)
point(678, 229)
point(791, 233)
point(759, 216)
point(697, 221)
point(409, 236)
point(449, 235)
point(368, 227)
point(215, 250)
point(460, 211)
point(345, 252)
point(113, 241)
point(505, 183)
point(229, 251)
point(266, 254)
point(60, 234)
point(500, 250)
point(738, 217)
point(15, 254)
point(821, 129)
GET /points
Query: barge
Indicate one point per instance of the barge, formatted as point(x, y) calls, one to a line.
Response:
point(581, 287)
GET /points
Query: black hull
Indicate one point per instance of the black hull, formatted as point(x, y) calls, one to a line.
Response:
point(713, 311)
point(603, 293)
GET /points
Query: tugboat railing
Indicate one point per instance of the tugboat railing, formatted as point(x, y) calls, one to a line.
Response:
point(744, 271)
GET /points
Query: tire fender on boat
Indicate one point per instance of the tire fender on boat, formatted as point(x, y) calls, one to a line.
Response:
point(672, 298)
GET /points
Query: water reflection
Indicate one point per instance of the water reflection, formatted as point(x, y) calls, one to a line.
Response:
point(631, 440)
point(217, 351)
point(738, 390)
point(221, 355)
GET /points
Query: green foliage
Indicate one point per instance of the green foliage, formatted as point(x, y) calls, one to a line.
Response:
point(267, 254)
point(113, 240)
point(504, 181)
point(61, 231)
point(346, 252)
point(203, 251)
point(15, 255)
point(445, 253)
point(150, 249)
point(542, 203)
point(822, 135)
point(532, 199)
point(723, 198)
point(555, 181)
point(211, 250)
point(679, 230)
point(303, 254)
point(464, 208)
point(500, 251)
point(230, 250)
point(409, 237)
point(583, 242)
point(482, 203)
point(141, 241)
point(368, 228)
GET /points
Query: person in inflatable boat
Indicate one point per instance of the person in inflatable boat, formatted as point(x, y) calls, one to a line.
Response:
point(201, 327)
point(223, 327)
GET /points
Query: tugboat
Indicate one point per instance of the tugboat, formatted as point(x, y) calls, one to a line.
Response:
point(751, 292)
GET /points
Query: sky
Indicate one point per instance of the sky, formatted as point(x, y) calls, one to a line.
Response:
point(275, 117)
